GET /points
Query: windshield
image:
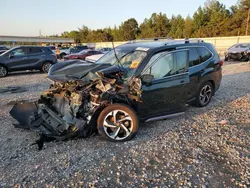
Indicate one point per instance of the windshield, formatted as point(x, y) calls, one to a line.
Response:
point(129, 59)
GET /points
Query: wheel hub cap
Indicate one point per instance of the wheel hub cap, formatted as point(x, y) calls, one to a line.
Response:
point(205, 94)
point(3, 71)
point(118, 124)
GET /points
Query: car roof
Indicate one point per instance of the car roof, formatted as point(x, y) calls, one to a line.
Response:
point(166, 44)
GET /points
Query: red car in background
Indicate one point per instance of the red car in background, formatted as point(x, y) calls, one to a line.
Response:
point(82, 54)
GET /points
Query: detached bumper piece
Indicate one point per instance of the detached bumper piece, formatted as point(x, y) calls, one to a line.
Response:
point(50, 125)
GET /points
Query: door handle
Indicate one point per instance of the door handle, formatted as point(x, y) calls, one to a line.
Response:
point(182, 82)
point(24, 57)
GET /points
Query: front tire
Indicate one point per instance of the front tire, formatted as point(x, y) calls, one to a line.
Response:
point(204, 94)
point(46, 66)
point(3, 71)
point(118, 122)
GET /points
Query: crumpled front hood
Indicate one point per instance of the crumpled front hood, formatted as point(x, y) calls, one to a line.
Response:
point(73, 69)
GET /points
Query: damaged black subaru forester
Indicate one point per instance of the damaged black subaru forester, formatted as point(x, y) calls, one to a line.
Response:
point(138, 81)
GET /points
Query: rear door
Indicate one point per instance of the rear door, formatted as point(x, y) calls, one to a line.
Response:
point(34, 57)
point(168, 92)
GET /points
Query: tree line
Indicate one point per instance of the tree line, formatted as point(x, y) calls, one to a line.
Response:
point(211, 20)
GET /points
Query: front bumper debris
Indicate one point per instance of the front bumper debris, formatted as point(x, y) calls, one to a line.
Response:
point(70, 109)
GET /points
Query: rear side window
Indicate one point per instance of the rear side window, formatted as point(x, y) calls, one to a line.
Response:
point(35, 50)
point(204, 53)
point(194, 58)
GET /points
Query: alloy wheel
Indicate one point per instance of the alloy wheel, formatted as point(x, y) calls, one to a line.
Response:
point(205, 94)
point(3, 71)
point(118, 124)
point(47, 67)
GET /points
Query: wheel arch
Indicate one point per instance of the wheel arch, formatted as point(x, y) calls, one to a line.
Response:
point(4, 66)
point(47, 61)
point(213, 84)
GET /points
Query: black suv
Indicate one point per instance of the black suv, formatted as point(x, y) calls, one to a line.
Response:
point(141, 81)
point(26, 58)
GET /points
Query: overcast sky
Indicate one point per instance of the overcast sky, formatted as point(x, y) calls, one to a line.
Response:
point(27, 17)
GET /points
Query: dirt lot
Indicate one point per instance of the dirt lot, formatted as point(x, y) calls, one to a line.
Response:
point(191, 150)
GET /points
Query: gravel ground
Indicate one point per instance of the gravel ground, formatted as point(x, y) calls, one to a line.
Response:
point(194, 150)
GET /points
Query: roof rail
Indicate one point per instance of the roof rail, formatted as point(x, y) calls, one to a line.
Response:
point(185, 41)
point(151, 39)
point(157, 38)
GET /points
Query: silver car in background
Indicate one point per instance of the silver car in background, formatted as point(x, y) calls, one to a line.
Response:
point(238, 52)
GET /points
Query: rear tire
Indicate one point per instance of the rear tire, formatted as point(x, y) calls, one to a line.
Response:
point(46, 66)
point(3, 71)
point(118, 122)
point(204, 95)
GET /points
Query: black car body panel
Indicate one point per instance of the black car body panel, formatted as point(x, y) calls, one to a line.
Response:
point(27, 58)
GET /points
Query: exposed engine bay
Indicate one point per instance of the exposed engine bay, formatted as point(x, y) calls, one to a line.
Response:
point(70, 109)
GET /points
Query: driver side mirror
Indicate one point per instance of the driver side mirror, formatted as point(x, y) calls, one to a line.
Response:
point(147, 79)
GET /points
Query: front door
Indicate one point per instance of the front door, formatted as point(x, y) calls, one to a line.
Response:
point(17, 59)
point(168, 92)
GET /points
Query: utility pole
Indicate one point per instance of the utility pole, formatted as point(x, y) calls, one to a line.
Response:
point(248, 17)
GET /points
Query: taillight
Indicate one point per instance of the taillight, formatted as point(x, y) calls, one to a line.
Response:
point(220, 63)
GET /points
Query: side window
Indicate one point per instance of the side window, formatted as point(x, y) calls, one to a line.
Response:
point(204, 53)
point(167, 65)
point(181, 62)
point(34, 50)
point(18, 52)
point(163, 67)
point(194, 58)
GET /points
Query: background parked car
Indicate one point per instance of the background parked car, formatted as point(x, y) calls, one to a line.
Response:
point(26, 58)
point(3, 49)
point(104, 50)
point(77, 49)
point(63, 51)
point(93, 58)
point(238, 52)
point(83, 54)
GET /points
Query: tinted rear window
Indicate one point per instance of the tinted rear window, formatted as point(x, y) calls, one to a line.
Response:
point(35, 50)
point(204, 53)
point(194, 58)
